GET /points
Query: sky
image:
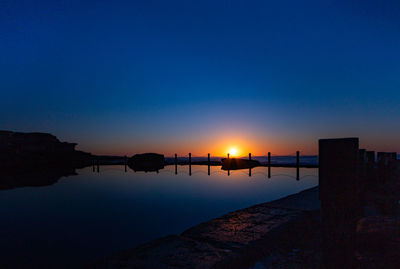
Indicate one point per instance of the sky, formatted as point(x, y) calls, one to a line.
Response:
point(204, 76)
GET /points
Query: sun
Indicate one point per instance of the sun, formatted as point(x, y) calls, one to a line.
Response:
point(233, 152)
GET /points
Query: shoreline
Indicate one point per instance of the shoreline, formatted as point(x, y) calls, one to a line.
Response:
point(230, 241)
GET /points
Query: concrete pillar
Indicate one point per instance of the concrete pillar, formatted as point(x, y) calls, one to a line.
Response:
point(387, 163)
point(370, 155)
point(339, 192)
point(388, 178)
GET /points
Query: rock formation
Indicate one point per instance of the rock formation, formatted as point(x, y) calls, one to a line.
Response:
point(148, 162)
point(32, 150)
point(233, 164)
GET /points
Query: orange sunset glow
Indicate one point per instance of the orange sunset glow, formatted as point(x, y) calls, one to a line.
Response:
point(233, 152)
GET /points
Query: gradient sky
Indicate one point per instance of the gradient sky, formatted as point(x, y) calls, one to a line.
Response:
point(202, 76)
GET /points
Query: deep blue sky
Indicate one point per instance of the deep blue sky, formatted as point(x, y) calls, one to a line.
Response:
point(201, 76)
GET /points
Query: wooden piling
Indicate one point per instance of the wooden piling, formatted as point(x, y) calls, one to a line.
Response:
point(208, 159)
point(297, 165)
point(249, 168)
point(229, 165)
point(126, 163)
point(269, 159)
point(98, 166)
point(176, 164)
point(190, 164)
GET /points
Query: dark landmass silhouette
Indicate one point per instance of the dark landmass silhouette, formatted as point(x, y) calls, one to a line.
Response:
point(37, 159)
point(32, 151)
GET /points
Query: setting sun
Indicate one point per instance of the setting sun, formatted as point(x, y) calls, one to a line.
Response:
point(233, 152)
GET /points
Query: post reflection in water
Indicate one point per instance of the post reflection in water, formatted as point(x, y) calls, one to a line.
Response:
point(213, 169)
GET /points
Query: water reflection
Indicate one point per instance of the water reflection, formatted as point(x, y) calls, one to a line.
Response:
point(37, 178)
point(90, 215)
point(291, 172)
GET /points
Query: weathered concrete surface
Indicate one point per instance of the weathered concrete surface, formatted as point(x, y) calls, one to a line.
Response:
point(235, 240)
point(378, 242)
point(172, 251)
point(238, 229)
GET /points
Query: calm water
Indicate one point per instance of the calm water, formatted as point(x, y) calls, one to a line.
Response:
point(85, 217)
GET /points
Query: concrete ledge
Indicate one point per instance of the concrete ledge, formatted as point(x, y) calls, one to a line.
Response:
point(230, 241)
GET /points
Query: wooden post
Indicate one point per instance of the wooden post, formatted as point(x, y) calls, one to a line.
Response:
point(126, 163)
point(190, 164)
point(297, 165)
point(94, 165)
point(269, 159)
point(250, 164)
point(176, 164)
point(229, 165)
point(98, 166)
point(208, 163)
